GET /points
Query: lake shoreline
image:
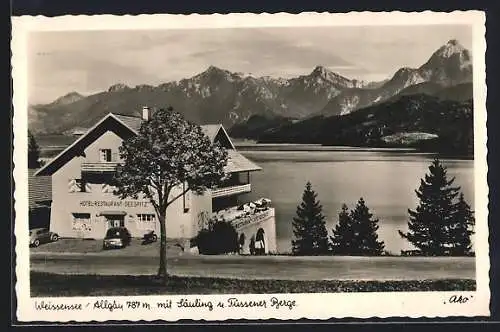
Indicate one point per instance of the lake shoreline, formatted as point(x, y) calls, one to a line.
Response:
point(52, 144)
point(346, 148)
point(385, 178)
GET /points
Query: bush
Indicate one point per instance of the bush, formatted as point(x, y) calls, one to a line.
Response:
point(219, 238)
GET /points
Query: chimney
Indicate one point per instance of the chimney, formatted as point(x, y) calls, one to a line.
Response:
point(145, 113)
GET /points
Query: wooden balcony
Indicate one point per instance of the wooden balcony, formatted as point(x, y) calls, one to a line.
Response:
point(101, 167)
point(231, 190)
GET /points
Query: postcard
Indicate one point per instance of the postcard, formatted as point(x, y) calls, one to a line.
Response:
point(250, 166)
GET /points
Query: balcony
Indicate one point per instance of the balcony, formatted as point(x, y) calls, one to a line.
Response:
point(252, 219)
point(231, 190)
point(102, 167)
point(246, 214)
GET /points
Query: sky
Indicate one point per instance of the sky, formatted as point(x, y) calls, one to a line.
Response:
point(91, 61)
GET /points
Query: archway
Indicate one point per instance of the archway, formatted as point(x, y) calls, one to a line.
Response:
point(260, 244)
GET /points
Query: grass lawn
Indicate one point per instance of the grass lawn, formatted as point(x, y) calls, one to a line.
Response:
point(54, 285)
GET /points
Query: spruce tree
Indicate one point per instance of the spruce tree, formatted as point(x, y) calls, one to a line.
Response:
point(368, 243)
point(33, 152)
point(342, 240)
point(462, 228)
point(309, 227)
point(430, 224)
point(356, 232)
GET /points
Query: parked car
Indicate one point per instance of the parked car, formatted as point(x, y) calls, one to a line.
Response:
point(42, 235)
point(116, 237)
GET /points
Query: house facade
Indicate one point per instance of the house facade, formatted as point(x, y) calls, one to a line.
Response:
point(84, 206)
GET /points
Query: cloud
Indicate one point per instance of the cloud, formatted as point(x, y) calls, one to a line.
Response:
point(60, 62)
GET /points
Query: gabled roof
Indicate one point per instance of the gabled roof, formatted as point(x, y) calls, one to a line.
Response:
point(239, 163)
point(59, 160)
point(211, 130)
point(39, 189)
point(236, 162)
point(214, 130)
point(132, 122)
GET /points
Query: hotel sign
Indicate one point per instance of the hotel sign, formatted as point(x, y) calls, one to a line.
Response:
point(115, 203)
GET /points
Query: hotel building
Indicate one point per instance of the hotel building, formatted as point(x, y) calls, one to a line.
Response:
point(83, 204)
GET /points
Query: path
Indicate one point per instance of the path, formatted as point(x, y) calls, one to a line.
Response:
point(265, 267)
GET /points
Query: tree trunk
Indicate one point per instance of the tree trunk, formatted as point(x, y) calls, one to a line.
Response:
point(162, 271)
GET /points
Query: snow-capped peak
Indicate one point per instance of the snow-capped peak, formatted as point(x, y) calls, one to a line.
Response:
point(321, 72)
point(450, 48)
point(451, 58)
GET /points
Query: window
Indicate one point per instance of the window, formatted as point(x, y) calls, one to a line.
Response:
point(78, 185)
point(81, 222)
point(81, 216)
point(146, 217)
point(146, 221)
point(105, 155)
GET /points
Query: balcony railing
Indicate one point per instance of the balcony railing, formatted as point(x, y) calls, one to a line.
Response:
point(99, 167)
point(251, 219)
point(232, 190)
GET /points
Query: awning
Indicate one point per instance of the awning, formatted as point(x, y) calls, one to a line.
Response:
point(112, 213)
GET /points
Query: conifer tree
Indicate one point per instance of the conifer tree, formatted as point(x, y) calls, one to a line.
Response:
point(430, 224)
point(462, 228)
point(309, 227)
point(342, 240)
point(368, 243)
point(33, 152)
point(356, 232)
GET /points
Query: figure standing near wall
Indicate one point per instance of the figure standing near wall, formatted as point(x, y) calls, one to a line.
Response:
point(252, 245)
point(260, 246)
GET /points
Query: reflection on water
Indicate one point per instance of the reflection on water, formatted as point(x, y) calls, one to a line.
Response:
point(385, 179)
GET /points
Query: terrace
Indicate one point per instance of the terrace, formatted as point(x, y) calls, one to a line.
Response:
point(245, 214)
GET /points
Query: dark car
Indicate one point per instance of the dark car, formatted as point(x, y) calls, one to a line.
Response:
point(116, 237)
point(42, 235)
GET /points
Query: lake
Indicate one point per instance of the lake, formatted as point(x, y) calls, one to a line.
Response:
point(385, 178)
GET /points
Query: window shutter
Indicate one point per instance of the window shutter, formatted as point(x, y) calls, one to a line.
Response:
point(114, 156)
point(72, 187)
point(106, 188)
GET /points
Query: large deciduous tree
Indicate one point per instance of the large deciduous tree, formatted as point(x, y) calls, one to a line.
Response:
point(169, 157)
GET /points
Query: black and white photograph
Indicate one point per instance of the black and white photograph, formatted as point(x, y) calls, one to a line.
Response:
point(250, 166)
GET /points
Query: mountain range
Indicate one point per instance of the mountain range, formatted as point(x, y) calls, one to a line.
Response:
point(420, 121)
point(221, 96)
